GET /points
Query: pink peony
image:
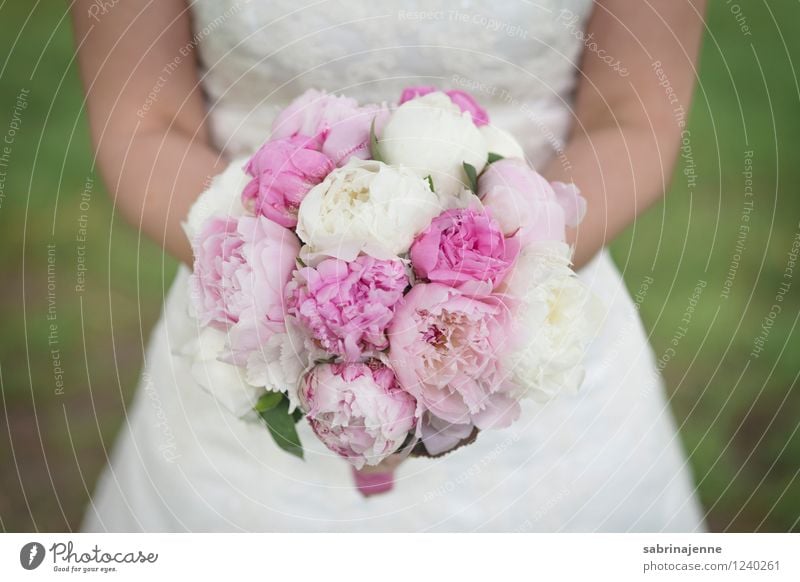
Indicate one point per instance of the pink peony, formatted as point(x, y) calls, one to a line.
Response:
point(465, 249)
point(241, 267)
point(446, 347)
point(339, 123)
point(570, 199)
point(358, 411)
point(524, 202)
point(283, 172)
point(346, 306)
point(462, 99)
point(216, 288)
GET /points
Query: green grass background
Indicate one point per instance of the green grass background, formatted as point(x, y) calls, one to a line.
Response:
point(738, 414)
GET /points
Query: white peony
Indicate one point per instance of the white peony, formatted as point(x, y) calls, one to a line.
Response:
point(222, 197)
point(433, 137)
point(225, 382)
point(555, 319)
point(501, 142)
point(366, 206)
point(277, 366)
point(281, 362)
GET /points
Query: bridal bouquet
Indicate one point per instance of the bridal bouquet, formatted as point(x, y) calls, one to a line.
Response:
point(396, 274)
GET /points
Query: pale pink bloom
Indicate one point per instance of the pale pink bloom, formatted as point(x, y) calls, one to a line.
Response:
point(241, 267)
point(526, 204)
point(358, 411)
point(216, 280)
point(569, 197)
point(446, 347)
point(341, 126)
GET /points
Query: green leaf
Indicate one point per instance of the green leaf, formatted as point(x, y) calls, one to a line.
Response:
point(268, 401)
point(374, 148)
point(472, 176)
point(493, 157)
point(281, 426)
point(297, 415)
point(429, 178)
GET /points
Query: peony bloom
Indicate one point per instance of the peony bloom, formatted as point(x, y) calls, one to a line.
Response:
point(222, 197)
point(501, 143)
point(463, 100)
point(358, 410)
point(570, 199)
point(524, 202)
point(433, 137)
point(554, 319)
point(280, 362)
point(465, 249)
point(365, 206)
point(346, 306)
point(445, 348)
point(340, 125)
point(215, 286)
point(227, 384)
point(241, 267)
point(283, 172)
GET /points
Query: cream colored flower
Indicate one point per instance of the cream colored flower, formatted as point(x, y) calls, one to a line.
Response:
point(555, 318)
point(222, 197)
point(501, 142)
point(365, 206)
point(433, 137)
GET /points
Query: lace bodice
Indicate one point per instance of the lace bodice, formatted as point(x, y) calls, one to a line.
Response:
point(519, 57)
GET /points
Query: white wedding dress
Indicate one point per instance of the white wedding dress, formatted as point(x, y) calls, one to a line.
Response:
point(606, 459)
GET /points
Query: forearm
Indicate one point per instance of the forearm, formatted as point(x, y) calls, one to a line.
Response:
point(621, 171)
point(158, 177)
point(628, 127)
point(155, 165)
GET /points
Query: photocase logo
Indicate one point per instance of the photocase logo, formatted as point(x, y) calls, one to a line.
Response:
point(31, 555)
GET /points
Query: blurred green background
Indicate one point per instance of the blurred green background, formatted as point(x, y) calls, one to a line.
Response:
point(738, 414)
